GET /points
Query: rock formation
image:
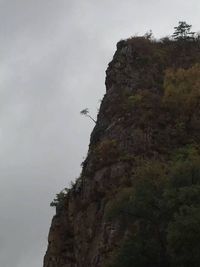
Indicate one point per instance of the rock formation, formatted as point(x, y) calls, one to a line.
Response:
point(132, 125)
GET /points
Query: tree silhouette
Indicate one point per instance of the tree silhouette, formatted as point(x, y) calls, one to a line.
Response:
point(85, 112)
point(183, 31)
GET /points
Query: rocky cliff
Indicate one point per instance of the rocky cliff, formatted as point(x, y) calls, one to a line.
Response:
point(137, 123)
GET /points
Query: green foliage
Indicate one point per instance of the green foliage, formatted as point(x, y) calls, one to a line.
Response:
point(182, 89)
point(165, 121)
point(186, 173)
point(149, 183)
point(182, 100)
point(138, 251)
point(143, 211)
point(183, 237)
point(60, 198)
point(162, 213)
point(119, 207)
point(189, 151)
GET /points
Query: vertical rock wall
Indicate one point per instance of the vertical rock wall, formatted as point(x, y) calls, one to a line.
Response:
point(80, 235)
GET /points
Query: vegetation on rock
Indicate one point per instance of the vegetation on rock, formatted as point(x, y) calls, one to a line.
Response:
point(162, 210)
point(85, 112)
point(60, 198)
point(140, 197)
point(162, 214)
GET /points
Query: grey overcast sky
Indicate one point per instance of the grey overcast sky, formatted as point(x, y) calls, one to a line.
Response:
point(53, 57)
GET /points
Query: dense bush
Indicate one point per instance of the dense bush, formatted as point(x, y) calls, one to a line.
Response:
point(162, 213)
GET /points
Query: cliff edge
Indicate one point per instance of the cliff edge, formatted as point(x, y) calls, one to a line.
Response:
point(147, 117)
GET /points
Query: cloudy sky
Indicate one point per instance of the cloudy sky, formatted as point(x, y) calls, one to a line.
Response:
point(53, 57)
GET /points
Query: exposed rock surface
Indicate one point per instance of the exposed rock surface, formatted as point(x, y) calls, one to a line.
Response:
point(80, 235)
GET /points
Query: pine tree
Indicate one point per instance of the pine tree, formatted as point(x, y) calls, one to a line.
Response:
point(183, 31)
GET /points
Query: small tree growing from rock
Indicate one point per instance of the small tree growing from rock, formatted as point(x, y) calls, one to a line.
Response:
point(85, 112)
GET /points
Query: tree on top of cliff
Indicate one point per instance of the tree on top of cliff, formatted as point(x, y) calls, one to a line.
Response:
point(183, 31)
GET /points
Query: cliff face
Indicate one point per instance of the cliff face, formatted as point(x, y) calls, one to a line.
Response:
point(127, 129)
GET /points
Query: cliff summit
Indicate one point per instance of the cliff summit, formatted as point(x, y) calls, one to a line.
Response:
point(137, 201)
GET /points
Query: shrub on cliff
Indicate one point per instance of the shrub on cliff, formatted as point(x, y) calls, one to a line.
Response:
point(182, 89)
point(163, 214)
point(60, 198)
